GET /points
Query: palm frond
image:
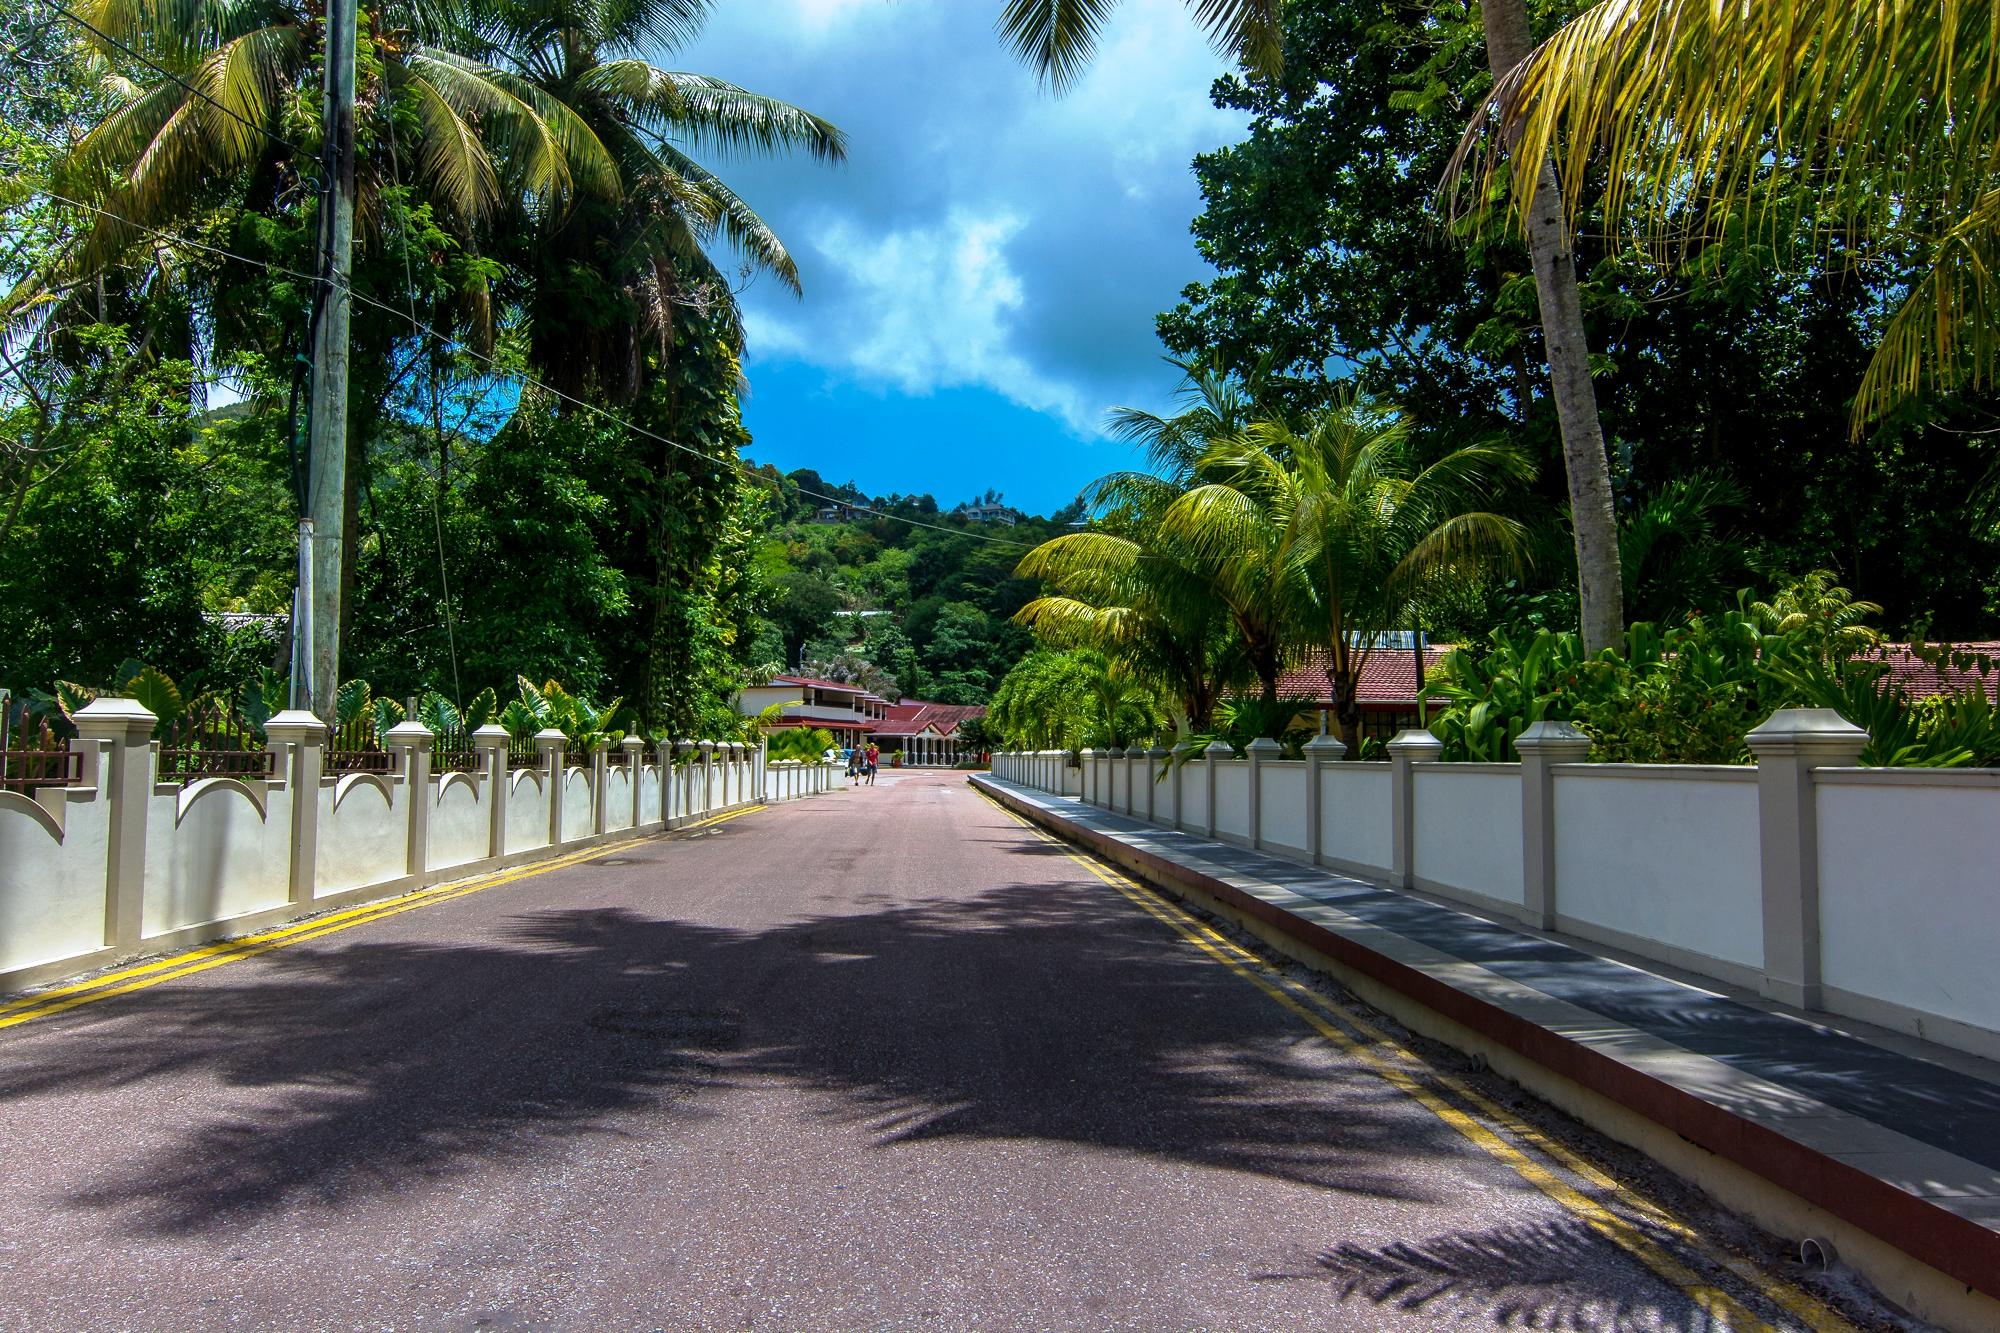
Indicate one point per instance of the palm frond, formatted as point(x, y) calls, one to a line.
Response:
point(451, 159)
point(706, 112)
point(739, 224)
point(1059, 37)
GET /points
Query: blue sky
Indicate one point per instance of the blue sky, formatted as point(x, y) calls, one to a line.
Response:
point(981, 276)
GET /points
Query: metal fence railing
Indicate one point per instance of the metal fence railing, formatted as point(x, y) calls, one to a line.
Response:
point(32, 756)
point(211, 742)
point(453, 752)
point(357, 748)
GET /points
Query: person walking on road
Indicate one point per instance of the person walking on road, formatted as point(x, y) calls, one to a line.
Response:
point(874, 761)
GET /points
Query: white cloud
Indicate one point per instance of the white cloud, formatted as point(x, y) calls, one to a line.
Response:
point(983, 232)
point(922, 309)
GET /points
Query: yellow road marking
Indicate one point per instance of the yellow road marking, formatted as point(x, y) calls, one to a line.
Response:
point(724, 819)
point(141, 976)
point(1619, 1230)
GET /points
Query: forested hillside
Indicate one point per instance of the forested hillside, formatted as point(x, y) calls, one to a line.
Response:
point(897, 592)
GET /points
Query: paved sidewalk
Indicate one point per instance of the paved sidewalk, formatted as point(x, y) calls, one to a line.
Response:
point(1896, 1136)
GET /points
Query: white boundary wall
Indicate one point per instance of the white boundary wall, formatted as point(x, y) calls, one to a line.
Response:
point(1868, 892)
point(122, 865)
point(1909, 897)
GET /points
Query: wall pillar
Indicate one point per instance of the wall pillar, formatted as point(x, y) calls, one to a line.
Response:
point(1409, 749)
point(1542, 746)
point(1789, 746)
point(1214, 752)
point(1174, 772)
point(411, 742)
point(677, 801)
point(1154, 758)
point(492, 741)
point(635, 769)
point(549, 746)
point(297, 741)
point(707, 749)
point(600, 783)
point(1321, 750)
point(116, 738)
point(1261, 751)
point(665, 751)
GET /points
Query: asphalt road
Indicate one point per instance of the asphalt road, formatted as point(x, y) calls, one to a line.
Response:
point(882, 1059)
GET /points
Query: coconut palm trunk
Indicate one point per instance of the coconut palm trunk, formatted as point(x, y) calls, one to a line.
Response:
point(1600, 585)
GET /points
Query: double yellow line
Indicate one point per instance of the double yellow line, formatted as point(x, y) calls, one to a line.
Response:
point(125, 980)
point(1448, 1098)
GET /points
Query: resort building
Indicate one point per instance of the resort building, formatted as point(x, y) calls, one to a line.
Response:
point(850, 712)
point(926, 734)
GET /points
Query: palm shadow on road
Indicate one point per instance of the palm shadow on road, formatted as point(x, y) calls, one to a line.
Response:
point(1541, 1275)
point(1023, 1011)
point(1018, 1012)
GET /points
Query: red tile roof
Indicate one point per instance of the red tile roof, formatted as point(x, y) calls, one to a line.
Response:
point(849, 687)
point(1922, 679)
point(1389, 676)
point(806, 723)
point(911, 716)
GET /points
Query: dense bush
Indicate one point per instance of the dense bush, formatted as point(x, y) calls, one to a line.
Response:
point(1689, 694)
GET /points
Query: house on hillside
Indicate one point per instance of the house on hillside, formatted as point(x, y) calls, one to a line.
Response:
point(926, 734)
point(990, 513)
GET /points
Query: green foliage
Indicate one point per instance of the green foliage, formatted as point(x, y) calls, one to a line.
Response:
point(1689, 694)
point(1323, 227)
point(1069, 701)
point(806, 744)
point(582, 722)
point(922, 612)
point(152, 689)
point(1243, 719)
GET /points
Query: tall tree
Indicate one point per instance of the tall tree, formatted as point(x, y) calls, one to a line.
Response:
point(1365, 535)
point(1059, 36)
point(1593, 519)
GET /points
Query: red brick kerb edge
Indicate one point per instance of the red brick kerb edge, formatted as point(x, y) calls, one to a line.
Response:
point(1953, 1245)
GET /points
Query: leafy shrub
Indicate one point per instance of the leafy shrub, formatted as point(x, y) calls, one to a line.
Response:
point(1688, 695)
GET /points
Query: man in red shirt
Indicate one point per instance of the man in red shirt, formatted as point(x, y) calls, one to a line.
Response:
point(874, 760)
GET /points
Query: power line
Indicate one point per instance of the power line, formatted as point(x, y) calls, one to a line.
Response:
point(164, 72)
point(495, 367)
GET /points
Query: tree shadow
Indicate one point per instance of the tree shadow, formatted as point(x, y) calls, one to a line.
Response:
point(1544, 1275)
point(1025, 1011)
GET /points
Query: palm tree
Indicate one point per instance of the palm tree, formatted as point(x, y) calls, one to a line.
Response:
point(1139, 606)
point(1059, 36)
point(1867, 129)
point(1189, 621)
point(609, 274)
point(1350, 534)
point(218, 125)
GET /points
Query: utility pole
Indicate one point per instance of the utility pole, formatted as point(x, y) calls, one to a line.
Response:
point(326, 487)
